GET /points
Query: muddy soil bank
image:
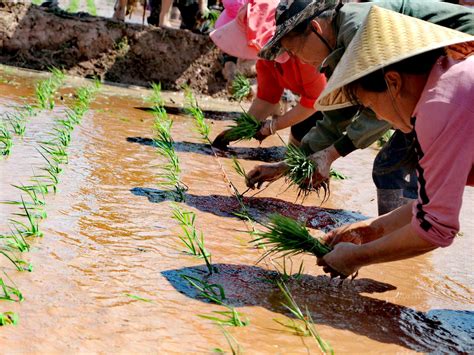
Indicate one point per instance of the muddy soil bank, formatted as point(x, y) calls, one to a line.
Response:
point(38, 38)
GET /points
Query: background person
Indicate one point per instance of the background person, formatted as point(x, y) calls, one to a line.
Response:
point(318, 32)
point(243, 37)
point(429, 96)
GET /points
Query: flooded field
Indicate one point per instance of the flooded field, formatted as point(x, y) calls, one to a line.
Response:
point(107, 276)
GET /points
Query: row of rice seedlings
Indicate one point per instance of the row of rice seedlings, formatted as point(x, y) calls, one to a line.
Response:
point(192, 108)
point(54, 153)
point(170, 172)
point(300, 173)
point(46, 89)
point(307, 329)
point(241, 87)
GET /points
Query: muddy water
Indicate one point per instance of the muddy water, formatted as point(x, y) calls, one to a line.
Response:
point(109, 233)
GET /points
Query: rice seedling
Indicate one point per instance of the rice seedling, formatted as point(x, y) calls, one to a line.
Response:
point(300, 173)
point(155, 98)
point(10, 293)
point(289, 237)
point(193, 240)
point(6, 140)
point(230, 317)
point(234, 345)
point(192, 108)
point(241, 87)
point(138, 298)
point(286, 273)
point(19, 264)
point(29, 229)
point(212, 292)
point(337, 175)
point(16, 241)
point(56, 152)
point(308, 329)
point(8, 318)
point(245, 128)
point(91, 8)
point(18, 124)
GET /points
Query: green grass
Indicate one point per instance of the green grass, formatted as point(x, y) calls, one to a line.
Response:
point(287, 236)
point(245, 128)
point(241, 87)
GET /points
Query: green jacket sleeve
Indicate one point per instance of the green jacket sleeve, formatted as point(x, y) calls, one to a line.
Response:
point(346, 129)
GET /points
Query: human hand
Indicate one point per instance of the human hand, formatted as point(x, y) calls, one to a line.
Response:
point(341, 261)
point(265, 172)
point(323, 160)
point(264, 131)
point(221, 141)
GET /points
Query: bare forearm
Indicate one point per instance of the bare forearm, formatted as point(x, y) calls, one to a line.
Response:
point(261, 109)
point(294, 116)
point(403, 243)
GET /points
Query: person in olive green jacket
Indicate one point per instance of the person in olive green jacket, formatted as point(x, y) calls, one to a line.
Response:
point(318, 32)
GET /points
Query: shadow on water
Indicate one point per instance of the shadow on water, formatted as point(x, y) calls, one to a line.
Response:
point(210, 114)
point(340, 305)
point(269, 154)
point(258, 208)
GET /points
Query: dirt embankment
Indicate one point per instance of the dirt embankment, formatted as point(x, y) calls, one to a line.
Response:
point(37, 38)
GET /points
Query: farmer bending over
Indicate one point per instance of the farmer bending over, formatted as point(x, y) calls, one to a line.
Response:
point(243, 37)
point(429, 97)
point(318, 32)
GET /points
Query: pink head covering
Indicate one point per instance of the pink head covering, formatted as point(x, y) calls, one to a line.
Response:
point(253, 27)
point(231, 8)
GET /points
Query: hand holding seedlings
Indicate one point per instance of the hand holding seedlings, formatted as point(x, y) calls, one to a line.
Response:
point(322, 161)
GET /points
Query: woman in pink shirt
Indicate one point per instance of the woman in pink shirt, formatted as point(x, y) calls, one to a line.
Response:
point(431, 96)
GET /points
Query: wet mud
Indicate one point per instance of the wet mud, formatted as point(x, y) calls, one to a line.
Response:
point(109, 234)
point(38, 38)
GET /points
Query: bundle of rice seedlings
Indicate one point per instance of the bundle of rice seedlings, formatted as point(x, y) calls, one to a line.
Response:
point(289, 237)
point(246, 126)
point(241, 87)
point(300, 172)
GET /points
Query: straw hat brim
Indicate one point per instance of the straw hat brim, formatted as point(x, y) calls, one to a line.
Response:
point(386, 37)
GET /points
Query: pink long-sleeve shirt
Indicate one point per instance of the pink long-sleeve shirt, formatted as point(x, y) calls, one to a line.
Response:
point(444, 127)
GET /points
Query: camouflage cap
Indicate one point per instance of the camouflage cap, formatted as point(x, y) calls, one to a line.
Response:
point(289, 14)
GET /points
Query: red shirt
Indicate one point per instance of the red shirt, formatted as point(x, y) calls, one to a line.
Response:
point(302, 79)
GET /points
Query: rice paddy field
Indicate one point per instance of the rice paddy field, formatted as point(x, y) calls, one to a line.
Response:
point(123, 231)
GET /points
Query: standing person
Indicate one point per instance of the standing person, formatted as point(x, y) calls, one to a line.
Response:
point(243, 37)
point(397, 66)
point(318, 32)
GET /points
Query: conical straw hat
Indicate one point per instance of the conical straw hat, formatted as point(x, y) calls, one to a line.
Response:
point(385, 37)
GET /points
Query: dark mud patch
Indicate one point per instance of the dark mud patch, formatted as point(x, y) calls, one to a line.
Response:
point(267, 154)
point(38, 38)
point(258, 208)
point(341, 305)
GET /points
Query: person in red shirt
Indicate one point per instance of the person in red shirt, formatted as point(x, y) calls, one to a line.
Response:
point(243, 37)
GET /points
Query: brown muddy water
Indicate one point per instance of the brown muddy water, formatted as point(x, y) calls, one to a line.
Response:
point(109, 233)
